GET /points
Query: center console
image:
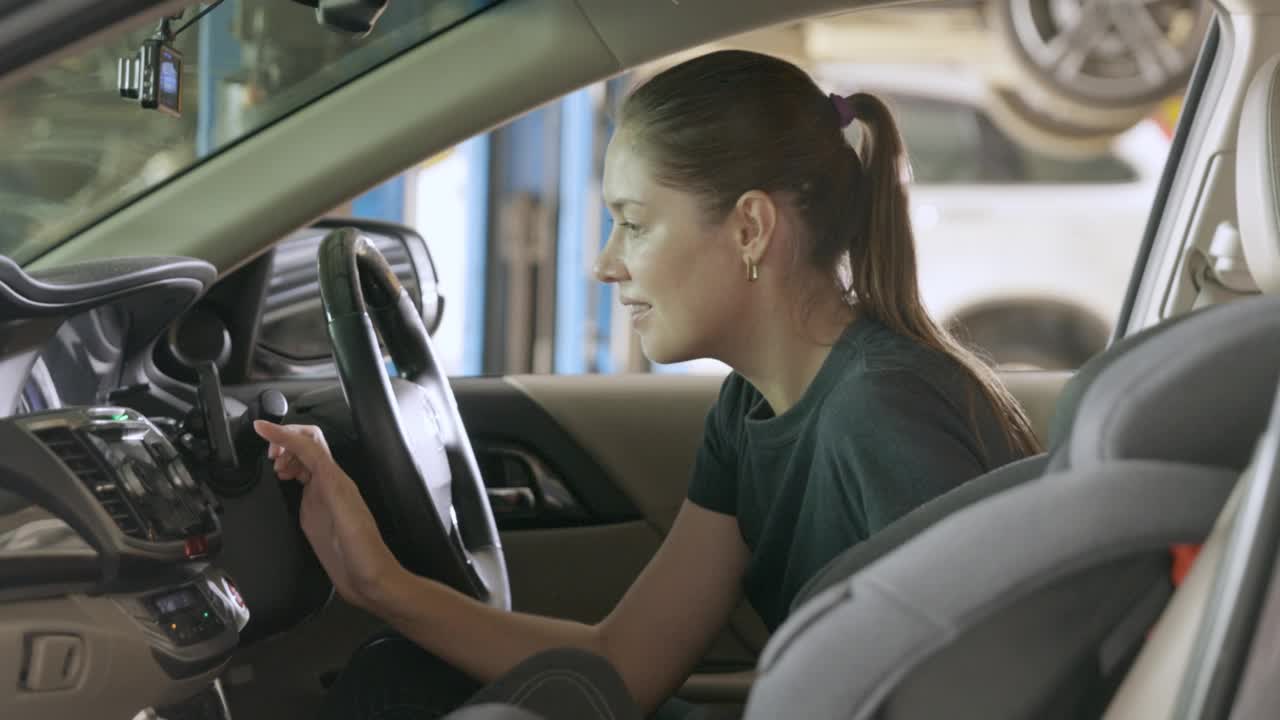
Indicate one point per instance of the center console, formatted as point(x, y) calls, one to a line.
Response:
point(134, 473)
point(106, 542)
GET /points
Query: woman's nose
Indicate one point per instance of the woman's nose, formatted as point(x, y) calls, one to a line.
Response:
point(608, 266)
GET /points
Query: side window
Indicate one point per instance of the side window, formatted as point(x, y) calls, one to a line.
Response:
point(1005, 160)
point(1102, 168)
point(514, 221)
point(944, 139)
point(1005, 258)
point(955, 143)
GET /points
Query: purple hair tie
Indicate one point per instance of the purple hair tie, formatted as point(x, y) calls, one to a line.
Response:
point(844, 109)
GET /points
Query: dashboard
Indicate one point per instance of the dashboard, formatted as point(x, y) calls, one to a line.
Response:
point(108, 526)
point(81, 364)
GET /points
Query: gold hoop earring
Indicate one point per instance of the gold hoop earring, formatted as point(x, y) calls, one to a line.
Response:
point(753, 270)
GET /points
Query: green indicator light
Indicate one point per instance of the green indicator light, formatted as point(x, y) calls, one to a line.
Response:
point(121, 416)
point(206, 614)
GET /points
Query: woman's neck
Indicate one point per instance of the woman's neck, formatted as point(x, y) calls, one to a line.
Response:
point(785, 356)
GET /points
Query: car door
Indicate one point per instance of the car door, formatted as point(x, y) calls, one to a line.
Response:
point(635, 435)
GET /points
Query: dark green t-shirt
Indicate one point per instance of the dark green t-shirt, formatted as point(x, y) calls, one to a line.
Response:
point(886, 425)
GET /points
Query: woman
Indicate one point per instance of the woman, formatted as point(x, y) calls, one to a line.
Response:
point(747, 229)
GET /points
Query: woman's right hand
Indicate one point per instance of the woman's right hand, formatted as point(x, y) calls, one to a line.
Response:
point(334, 516)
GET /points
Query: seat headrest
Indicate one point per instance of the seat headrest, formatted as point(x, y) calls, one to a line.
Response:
point(1258, 176)
point(1197, 389)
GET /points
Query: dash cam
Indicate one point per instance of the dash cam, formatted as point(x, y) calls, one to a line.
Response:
point(153, 77)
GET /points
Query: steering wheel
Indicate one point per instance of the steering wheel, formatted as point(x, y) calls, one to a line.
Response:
point(422, 484)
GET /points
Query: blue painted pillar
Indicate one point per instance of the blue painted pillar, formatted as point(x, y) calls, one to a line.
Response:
point(385, 202)
point(577, 145)
point(614, 90)
point(218, 57)
point(476, 151)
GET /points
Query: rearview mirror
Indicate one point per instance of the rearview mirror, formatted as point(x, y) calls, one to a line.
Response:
point(292, 338)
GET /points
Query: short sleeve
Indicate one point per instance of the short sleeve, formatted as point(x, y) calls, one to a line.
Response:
point(900, 443)
point(714, 485)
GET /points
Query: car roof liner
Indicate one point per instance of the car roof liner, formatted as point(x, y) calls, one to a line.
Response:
point(36, 32)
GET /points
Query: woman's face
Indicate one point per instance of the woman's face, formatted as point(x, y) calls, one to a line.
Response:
point(680, 274)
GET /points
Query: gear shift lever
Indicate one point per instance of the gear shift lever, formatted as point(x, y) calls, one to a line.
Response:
point(270, 405)
point(200, 341)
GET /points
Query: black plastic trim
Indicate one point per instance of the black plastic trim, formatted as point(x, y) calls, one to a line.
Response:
point(69, 288)
point(150, 290)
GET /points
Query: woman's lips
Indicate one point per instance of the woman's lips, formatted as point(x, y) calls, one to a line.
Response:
point(639, 311)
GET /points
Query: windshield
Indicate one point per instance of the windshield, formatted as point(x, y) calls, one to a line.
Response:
point(72, 150)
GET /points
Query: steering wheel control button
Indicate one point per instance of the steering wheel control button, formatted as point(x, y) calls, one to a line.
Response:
point(53, 662)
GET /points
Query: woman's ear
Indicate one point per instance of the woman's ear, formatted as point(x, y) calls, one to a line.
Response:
point(757, 217)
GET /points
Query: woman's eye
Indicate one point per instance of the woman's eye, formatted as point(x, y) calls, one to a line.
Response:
point(629, 227)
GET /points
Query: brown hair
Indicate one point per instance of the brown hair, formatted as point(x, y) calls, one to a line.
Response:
point(731, 121)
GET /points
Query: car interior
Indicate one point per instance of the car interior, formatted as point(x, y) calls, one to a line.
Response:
point(151, 566)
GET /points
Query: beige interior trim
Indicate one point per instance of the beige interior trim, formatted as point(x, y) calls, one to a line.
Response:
point(672, 26)
point(1200, 198)
point(114, 673)
point(663, 414)
point(647, 451)
point(1150, 690)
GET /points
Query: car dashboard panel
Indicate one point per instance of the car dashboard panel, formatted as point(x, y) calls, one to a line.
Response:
point(116, 479)
point(81, 364)
point(107, 590)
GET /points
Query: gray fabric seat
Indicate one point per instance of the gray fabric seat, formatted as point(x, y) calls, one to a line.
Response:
point(1025, 592)
point(1201, 448)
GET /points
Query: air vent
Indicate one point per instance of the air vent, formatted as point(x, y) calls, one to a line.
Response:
point(63, 443)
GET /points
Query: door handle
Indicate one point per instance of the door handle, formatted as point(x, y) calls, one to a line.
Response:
point(521, 488)
point(512, 501)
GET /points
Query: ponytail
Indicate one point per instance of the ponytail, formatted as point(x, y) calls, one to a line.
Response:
point(882, 261)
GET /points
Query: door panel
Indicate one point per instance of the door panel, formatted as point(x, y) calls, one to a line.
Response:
point(643, 430)
point(581, 573)
point(623, 446)
point(639, 435)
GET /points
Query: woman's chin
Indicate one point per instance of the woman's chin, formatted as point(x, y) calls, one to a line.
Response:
point(663, 353)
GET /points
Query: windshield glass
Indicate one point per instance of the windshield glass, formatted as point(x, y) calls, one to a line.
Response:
point(73, 150)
